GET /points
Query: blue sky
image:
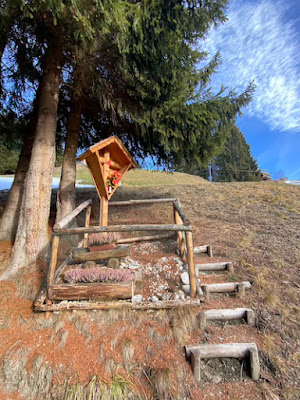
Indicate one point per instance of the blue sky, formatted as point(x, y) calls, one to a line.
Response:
point(261, 42)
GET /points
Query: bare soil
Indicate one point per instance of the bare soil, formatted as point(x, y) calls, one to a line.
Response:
point(255, 225)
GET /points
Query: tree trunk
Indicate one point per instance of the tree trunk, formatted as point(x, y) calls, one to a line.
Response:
point(9, 219)
point(66, 196)
point(32, 233)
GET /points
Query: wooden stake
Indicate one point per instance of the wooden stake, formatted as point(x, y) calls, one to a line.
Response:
point(53, 260)
point(87, 224)
point(190, 261)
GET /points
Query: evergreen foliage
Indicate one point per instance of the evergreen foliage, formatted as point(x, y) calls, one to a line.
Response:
point(235, 162)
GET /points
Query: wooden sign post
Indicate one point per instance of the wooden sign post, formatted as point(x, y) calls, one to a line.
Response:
point(108, 162)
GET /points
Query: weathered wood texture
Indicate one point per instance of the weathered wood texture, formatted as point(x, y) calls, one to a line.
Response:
point(190, 260)
point(53, 260)
point(86, 291)
point(142, 201)
point(180, 237)
point(145, 238)
point(226, 315)
point(232, 350)
point(87, 224)
point(65, 221)
point(41, 297)
point(225, 287)
point(123, 228)
point(203, 249)
point(182, 214)
point(120, 251)
point(115, 305)
point(214, 267)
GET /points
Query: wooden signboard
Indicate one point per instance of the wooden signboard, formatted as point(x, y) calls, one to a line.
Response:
point(108, 162)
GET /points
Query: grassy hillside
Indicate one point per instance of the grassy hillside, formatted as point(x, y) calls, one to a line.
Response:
point(139, 177)
point(255, 225)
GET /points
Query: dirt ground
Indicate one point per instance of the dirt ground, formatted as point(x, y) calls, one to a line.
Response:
point(138, 354)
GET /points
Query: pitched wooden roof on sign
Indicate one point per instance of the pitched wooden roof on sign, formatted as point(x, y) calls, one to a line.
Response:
point(104, 157)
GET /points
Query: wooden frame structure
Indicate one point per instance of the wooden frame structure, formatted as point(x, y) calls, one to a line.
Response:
point(104, 159)
point(182, 226)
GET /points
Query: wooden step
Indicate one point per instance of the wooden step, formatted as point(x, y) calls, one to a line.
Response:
point(229, 350)
point(226, 315)
point(239, 287)
point(211, 267)
point(204, 249)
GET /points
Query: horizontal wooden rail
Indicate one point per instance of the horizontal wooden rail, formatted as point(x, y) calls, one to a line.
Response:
point(97, 305)
point(122, 228)
point(64, 222)
point(143, 201)
point(182, 214)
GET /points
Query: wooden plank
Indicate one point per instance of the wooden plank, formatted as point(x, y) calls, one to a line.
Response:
point(226, 314)
point(86, 291)
point(115, 305)
point(123, 228)
point(180, 211)
point(230, 350)
point(97, 174)
point(120, 251)
point(190, 261)
point(53, 260)
point(87, 224)
point(145, 238)
point(142, 201)
point(65, 221)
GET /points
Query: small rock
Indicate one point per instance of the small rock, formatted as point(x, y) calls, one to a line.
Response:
point(186, 267)
point(89, 264)
point(154, 299)
point(186, 289)
point(185, 278)
point(138, 298)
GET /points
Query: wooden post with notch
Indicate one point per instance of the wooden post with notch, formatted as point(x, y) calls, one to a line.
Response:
point(52, 265)
point(180, 241)
point(104, 199)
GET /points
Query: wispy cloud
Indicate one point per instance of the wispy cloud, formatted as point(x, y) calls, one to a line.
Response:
point(258, 44)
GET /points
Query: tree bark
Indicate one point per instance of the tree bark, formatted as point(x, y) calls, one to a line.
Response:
point(32, 233)
point(66, 196)
point(9, 219)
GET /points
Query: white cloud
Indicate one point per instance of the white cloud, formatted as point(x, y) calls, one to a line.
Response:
point(258, 44)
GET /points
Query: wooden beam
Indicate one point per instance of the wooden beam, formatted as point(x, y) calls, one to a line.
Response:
point(123, 228)
point(214, 267)
point(103, 211)
point(121, 251)
point(232, 350)
point(142, 201)
point(114, 164)
point(145, 238)
point(183, 216)
point(113, 305)
point(53, 260)
point(225, 287)
point(86, 291)
point(66, 220)
point(226, 315)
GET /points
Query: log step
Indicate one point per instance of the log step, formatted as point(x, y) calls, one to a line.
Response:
point(210, 267)
point(204, 249)
point(226, 315)
point(227, 287)
point(230, 350)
